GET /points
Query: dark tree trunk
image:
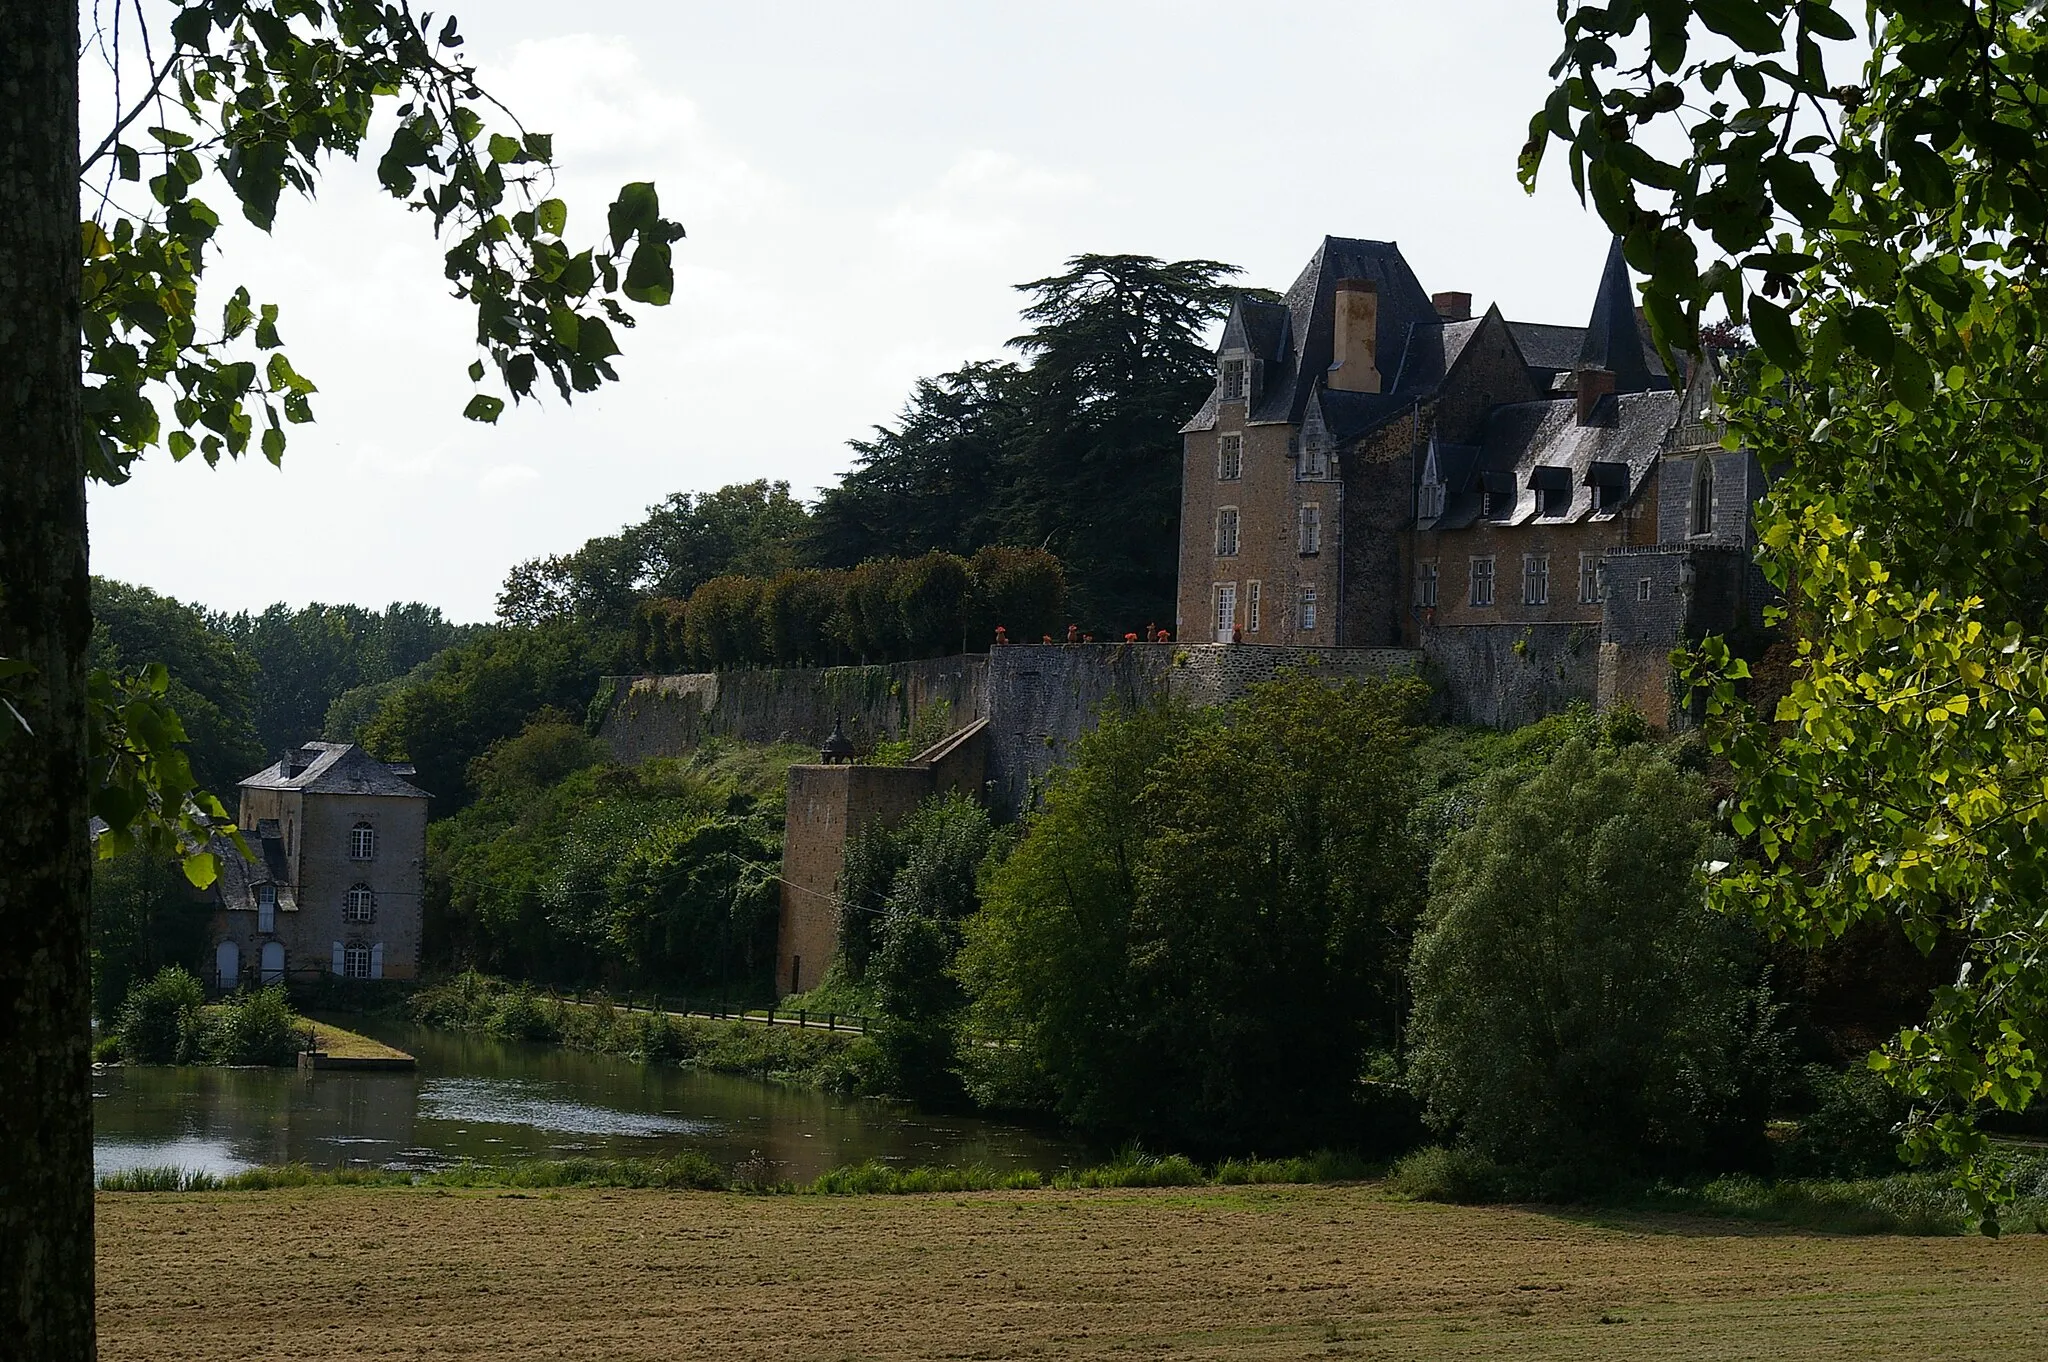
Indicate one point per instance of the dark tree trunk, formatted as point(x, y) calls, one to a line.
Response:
point(46, 1250)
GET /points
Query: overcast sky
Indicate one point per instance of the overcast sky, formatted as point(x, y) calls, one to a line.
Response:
point(862, 185)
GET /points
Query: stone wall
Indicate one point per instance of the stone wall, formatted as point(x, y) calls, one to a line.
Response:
point(827, 805)
point(1507, 675)
point(652, 716)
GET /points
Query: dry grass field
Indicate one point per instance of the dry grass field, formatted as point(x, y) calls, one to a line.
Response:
point(1258, 1272)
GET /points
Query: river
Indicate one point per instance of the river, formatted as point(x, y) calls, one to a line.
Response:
point(497, 1101)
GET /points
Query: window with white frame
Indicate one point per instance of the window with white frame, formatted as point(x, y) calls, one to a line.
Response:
point(1233, 380)
point(1315, 461)
point(266, 907)
point(1229, 457)
point(1429, 501)
point(1535, 579)
point(1480, 576)
point(1589, 579)
point(1251, 606)
point(1643, 589)
point(362, 842)
point(355, 961)
point(359, 904)
point(1225, 599)
point(1425, 584)
point(1310, 523)
point(1308, 608)
point(1226, 532)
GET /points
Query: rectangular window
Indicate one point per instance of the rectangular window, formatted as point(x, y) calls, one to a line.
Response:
point(1251, 607)
point(1230, 458)
point(1310, 519)
point(1226, 611)
point(1315, 462)
point(1643, 589)
point(1482, 582)
point(1233, 380)
point(1535, 579)
point(1425, 584)
point(266, 907)
point(1308, 608)
point(1589, 579)
point(1226, 532)
point(356, 961)
point(1429, 502)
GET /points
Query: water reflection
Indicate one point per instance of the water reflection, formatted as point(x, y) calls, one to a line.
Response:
point(474, 1098)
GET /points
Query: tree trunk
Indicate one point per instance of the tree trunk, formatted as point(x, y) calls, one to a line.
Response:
point(46, 1246)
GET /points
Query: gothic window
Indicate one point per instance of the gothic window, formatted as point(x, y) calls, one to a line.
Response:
point(1703, 496)
point(1481, 582)
point(362, 842)
point(1230, 457)
point(1535, 579)
point(360, 905)
point(1310, 520)
point(1308, 608)
point(1226, 532)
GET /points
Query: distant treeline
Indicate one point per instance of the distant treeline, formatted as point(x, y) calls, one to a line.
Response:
point(885, 610)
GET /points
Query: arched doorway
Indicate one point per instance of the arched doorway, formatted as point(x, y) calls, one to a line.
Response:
point(227, 964)
point(273, 962)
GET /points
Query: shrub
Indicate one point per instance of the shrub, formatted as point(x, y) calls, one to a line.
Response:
point(1460, 1176)
point(254, 1028)
point(1578, 1009)
point(520, 1015)
point(931, 598)
point(1853, 1130)
point(1024, 590)
point(160, 1019)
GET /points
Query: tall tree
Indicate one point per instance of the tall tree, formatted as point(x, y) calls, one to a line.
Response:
point(98, 316)
point(1118, 361)
point(210, 681)
point(1884, 237)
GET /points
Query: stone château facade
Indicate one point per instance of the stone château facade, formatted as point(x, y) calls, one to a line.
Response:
point(1537, 508)
point(340, 844)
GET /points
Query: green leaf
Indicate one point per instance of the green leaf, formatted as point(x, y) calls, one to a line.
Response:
point(1823, 22)
point(485, 408)
point(1745, 22)
point(649, 278)
point(551, 216)
point(1774, 332)
point(273, 445)
point(1912, 378)
point(504, 149)
point(128, 161)
point(476, 371)
point(637, 209)
point(1870, 331)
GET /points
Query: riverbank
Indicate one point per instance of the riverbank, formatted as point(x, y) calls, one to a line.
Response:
point(1271, 1272)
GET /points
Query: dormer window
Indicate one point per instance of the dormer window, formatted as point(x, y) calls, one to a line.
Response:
point(1429, 501)
point(1609, 482)
point(1553, 487)
point(1315, 461)
point(1500, 495)
point(1232, 380)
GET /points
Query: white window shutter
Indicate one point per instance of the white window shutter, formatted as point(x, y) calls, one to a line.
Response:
point(337, 958)
point(377, 961)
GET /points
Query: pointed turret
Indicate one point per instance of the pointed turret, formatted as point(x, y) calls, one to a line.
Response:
point(1615, 340)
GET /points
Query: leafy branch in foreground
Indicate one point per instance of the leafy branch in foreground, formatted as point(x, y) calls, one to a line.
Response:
point(1882, 238)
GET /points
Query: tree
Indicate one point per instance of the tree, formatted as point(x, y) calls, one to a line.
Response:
point(101, 314)
point(1200, 938)
point(211, 680)
point(1579, 1011)
point(1882, 237)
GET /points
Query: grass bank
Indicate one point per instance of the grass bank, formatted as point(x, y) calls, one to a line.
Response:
point(837, 1061)
point(1215, 1272)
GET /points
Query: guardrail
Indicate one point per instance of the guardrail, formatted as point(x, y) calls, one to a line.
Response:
point(720, 1010)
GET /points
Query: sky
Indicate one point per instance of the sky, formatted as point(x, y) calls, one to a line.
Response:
point(862, 186)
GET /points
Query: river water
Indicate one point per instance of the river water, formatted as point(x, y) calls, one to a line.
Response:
point(497, 1101)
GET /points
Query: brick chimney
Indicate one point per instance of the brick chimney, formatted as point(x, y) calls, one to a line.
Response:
point(1354, 352)
point(1594, 384)
point(1453, 307)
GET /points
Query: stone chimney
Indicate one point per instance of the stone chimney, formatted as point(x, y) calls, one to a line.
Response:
point(1594, 384)
point(1453, 307)
point(1354, 351)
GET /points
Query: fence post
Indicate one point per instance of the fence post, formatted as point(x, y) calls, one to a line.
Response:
point(831, 1021)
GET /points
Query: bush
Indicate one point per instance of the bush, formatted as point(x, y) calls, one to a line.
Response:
point(254, 1028)
point(1578, 1009)
point(1460, 1176)
point(160, 1020)
point(1853, 1129)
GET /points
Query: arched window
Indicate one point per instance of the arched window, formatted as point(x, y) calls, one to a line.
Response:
point(362, 842)
point(355, 961)
point(360, 905)
point(1703, 497)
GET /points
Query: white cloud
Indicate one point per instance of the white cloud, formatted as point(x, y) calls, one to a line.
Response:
point(983, 205)
point(506, 476)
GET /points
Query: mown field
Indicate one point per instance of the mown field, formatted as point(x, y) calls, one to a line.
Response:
point(1253, 1272)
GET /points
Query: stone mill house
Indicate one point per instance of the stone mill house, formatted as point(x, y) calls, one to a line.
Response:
point(339, 840)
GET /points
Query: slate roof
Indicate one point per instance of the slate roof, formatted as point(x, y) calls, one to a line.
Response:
point(1548, 350)
point(1628, 429)
point(334, 768)
point(1431, 350)
point(1615, 338)
point(1311, 313)
point(235, 888)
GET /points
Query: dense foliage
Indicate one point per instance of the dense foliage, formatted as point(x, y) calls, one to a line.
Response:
point(1201, 936)
point(145, 916)
point(165, 1021)
point(1578, 1008)
point(213, 683)
point(885, 610)
point(1882, 235)
point(569, 869)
